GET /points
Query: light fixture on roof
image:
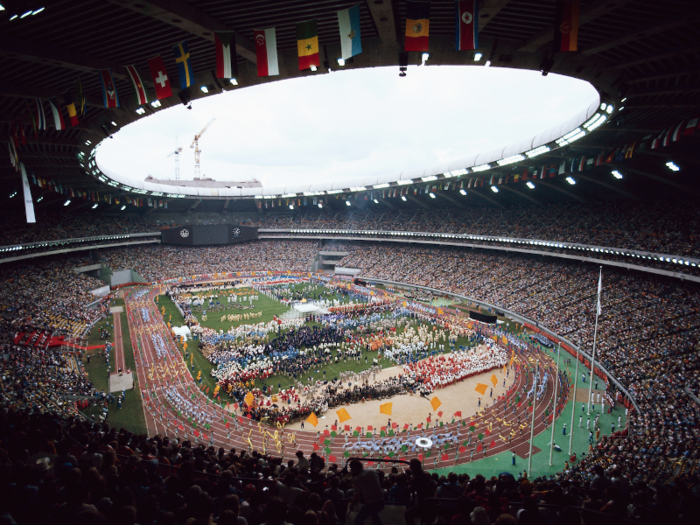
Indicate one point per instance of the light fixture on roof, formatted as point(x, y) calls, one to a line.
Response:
point(233, 81)
point(424, 57)
point(432, 195)
point(494, 189)
point(488, 63)
point(617, 174)
point(2, 8)
point(530, 185)
point(463, 191)
point(477, 57)
point(291, 206)
point(347, 203)
point(375, 201)
point(123, 207)
point(341, 61)
point(571, 180)
point(603, 106)
point(320, 205)
point(140, 111)
point(403, 198)
point(95, 206)
point(37, 11)
point(40, 199)
point(510, 160)
point(537, 151)
point(156, 103)
point(313, 68)
point(13, 17)
point(609, 109)
point(672, 166)
point(114, 124)
point(204, 89)
point(14, 194)
point(429, 178)
point(67, 202)
point(25, 15)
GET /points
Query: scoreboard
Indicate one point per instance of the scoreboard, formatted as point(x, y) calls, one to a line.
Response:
point(208, 234)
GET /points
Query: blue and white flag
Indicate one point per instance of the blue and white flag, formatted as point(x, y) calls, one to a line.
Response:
point(350, 40)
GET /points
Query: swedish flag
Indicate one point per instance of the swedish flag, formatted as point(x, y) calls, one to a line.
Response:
point(184, 64)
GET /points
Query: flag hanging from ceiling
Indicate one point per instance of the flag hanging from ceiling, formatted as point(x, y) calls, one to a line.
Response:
point(417, 26)
point(160, 77)
point(266, 52)
point(57, 115)
point(40, 116)
point(226, 65)
point(109, 90)
point(72, 110)
point(350, 39)
point(80, 105)
point(28, 202)
point(566, 26)
point(184, 64)
point(467, 31)
point(137, 83)
point(307, 44)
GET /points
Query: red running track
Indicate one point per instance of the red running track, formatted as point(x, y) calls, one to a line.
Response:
point(169, 370)
point(119, 359)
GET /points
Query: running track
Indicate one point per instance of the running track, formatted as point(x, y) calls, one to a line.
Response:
point(161, 417)
point(119, 359)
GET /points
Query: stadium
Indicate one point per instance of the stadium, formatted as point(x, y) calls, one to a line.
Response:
point(249, 331)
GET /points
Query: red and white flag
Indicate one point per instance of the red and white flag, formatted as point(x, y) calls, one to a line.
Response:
point(226, 65)
point(677, 132)
point(467, 29)
point(690, 127)
point(266, 51)
point(160, 77)
point(139, 89)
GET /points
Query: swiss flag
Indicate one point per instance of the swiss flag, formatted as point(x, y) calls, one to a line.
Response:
point(160, 77)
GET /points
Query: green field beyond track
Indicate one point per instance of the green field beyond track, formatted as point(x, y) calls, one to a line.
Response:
point(273, 307)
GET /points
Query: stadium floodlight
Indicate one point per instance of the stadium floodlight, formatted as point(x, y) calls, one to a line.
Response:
point(375, 201)
point(424, 57)
point(140, 111)
point(463, 191)
point(13, 195)
point(347, 203)
point(403, 198)
point(320, 205)
point(233, 81)
point(610, 109)
point(88, 142)
point(95, 206)
point(494, 189)
point(510, 160)
point(603, 106)
point(156, 103)
point(432, 195)
point(37, 11)
point(488, 63)
point(478, 56)
point(313, 68)
point(530, 185)
point(672, 166)
point(2, 8)
point(429, 178)
point(341, 62)
point(123, 207)
point(617, 174)
point(25, 15)
point(291, 206)
point(483, 167)
point(114, 124)
point(537, 151)
point(204, 89)
point(380, 186)
point(571, 180)
point(67, 202)
point(404, 182)
point(40, 199)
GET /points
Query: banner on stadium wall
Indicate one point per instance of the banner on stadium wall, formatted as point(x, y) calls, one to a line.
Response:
point(100, 292)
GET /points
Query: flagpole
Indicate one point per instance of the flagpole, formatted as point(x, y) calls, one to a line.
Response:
point(573, 409)
point(532, 425)
point(554, 409)
point(595, 337)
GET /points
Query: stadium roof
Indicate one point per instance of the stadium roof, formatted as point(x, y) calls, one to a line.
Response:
point(642, 57)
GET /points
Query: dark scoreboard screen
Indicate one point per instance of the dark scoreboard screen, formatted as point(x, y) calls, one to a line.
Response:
point(209, 234)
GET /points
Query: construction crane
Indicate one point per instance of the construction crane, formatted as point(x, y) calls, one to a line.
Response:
point(177, 160)
point(195, 145)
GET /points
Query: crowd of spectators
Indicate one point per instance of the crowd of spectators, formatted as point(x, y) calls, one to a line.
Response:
point(69, 471)
point(662, 227)
point(648, 333)
point(156, 263)
point(54, 226)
